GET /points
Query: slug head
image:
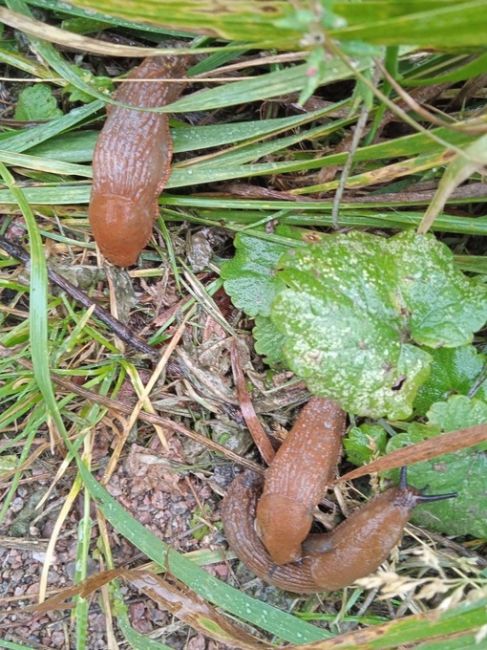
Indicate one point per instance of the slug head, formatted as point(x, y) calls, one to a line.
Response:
point(121, 227)
point(409, 497)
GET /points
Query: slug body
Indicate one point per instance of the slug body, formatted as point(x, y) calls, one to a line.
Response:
point(238, 516)
point(131, 162)
point(296, 480)
point(356, 548)
point(361, 543)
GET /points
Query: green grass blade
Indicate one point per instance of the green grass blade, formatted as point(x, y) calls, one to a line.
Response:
point(258, 613)
point(45, 165)
point(264, 86)
point(78, 146)
point(72, 10)
point(27, 138)
point(136, 640)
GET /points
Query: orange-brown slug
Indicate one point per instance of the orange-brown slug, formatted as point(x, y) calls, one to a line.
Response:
point(132, 161)
point(353, 550)
point(297, 477)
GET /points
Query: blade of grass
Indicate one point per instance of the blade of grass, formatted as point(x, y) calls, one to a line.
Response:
point(135, 639)
point(407, 631)
point(264, 86)
point(45, 165)
point(28, 138)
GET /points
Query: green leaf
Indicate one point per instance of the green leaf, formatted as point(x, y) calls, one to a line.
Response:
point(364, 443)
point(354, 305)
point(445, 307)
point(344, 332)
point(76, 94)
point(458, 412)
point(268, 341)
point(37, 103)
point(462, 472)
point(453, 370)
point(250, 277)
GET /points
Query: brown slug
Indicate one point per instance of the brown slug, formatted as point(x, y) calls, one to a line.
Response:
point(354, 549)
point(131, 161)
point(238, 517)
point(297, 477)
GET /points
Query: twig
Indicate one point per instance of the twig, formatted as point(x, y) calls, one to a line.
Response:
point(253, 423)
point(121, 330)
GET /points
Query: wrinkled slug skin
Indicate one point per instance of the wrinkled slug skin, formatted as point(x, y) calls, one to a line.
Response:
point(132, 162)
point(363, 541)
point(296, 480)
point(238, 516)
point(354, 549)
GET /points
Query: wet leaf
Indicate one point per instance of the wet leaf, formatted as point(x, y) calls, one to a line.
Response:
point(350, 310)
point(364, 443)
point(344, 328)
point(355, 304)
point(250, 277)
point(268, 341)
point(462, 472)
point(37, 103)
point(445, 307)
point(453, 370)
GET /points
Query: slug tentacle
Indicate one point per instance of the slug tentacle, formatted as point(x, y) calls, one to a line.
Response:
point(418, 495)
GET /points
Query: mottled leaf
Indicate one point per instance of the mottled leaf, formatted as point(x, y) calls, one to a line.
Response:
point(343, 327)
point(364, 443)
point(463, 472)
point(445, 307)
point(37, 103)
point(453, 370)
point(355, 304)
point(250, 277)
point(350, 309)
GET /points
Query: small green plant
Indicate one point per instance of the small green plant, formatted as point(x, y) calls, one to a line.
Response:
point(356, 315)
point(37, 103)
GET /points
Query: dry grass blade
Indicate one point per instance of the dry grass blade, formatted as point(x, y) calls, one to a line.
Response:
point(180, 601)
point(75, 41)
point(259, 436)
point(425, 450)
point(193, 610)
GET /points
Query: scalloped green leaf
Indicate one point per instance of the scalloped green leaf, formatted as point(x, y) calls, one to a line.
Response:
point(268, 341)
point(355, 303)
point(343, 327)
point(458, 412)
point(37, 103)
point(250, 277)
point(445, 307)
point(364, 443)
point(462, 472)
point(453, 370)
